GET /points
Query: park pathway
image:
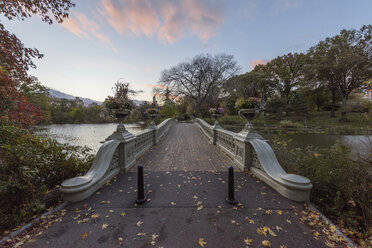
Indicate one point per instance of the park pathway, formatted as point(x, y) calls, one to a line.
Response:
point(186, 186)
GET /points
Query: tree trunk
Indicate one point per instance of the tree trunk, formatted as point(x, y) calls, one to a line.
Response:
point(333, 91)
point(343, 109)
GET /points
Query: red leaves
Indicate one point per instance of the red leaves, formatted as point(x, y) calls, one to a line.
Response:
point(14, 105)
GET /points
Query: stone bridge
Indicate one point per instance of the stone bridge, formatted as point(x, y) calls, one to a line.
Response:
point(186, 184)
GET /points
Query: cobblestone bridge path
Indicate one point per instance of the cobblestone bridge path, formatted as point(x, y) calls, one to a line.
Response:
point(186, 187)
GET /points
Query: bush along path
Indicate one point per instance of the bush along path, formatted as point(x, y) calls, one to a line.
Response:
point(184, 208)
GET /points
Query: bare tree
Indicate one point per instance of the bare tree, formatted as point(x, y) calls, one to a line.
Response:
point(201, 78)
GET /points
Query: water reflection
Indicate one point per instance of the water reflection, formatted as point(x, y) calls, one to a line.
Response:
point(83, 134)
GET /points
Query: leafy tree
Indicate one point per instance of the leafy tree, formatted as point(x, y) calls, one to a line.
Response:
point(14, 57)
point(276, 106)
point(345, 61)
point(14, 105)
point(201, 78)
point(288, 71)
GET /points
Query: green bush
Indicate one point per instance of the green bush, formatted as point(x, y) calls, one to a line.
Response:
point(30, 167)
point(286, 123)
point(232, 120)
point(342, 184)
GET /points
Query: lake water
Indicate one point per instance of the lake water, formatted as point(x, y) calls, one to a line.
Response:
point(92, 134)
point(84, 134)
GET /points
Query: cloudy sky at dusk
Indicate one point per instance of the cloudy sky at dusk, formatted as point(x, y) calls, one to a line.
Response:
point(104, 40)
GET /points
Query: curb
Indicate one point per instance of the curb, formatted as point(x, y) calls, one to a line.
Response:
point(33, 222)
point(348, 240)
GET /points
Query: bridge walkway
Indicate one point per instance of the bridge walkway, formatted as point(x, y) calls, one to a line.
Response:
point(186, 186)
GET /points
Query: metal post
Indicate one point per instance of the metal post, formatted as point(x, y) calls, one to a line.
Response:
point(231, 198)
point(141, 191)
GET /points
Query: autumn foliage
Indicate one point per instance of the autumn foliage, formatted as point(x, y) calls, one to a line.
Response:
point(14, 105)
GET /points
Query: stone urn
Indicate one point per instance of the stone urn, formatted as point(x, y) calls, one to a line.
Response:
point(121, 114)
point(152, 113)
point(248, 114)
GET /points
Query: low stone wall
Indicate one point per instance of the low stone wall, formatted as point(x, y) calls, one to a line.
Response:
point(118, 153)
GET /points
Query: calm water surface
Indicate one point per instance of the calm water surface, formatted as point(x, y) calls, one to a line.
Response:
point(91, 134)
point(84, 134)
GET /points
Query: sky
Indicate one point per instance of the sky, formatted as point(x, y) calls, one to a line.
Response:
point(103, 41)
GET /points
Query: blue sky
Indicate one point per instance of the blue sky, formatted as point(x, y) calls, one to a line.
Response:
point(134, 40)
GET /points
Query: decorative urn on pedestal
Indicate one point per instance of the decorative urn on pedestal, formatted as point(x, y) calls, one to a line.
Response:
point(119, 105)
point(248, 109)
point(216, 113)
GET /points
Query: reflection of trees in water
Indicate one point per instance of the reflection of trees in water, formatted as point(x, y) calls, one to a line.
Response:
point(360, 144)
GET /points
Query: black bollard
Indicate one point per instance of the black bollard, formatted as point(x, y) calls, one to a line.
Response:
point(141, 191)
point(230, 197)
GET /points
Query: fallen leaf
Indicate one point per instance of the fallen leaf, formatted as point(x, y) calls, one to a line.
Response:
point(248, 241)
point(83, 220)
point(268, 212)
point(84, 235)
point(141, 234)
point(266, 243)
point(173, 203)
point(111, 211)
point(104, 226)
point(154, 236)
point(272, 233)
point(139, 223)
point(95, 216)
point(200, 207)
point(123, 214)
point(202, 242)
point(279, 212)
point(121, 241)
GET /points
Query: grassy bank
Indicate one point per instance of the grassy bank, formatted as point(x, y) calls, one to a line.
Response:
point(316, 122)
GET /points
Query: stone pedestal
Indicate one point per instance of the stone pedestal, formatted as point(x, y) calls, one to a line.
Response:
point(126, 147)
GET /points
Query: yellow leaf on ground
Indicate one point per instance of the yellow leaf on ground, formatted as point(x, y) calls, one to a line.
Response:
point(104, 226)
point(202, 242)
point(248, 241)
point(84, 236)
point(173, 203)
point(279, 212)
point(272, 233)
point(139, 223)
point(200, 207)
point(123, 214)
point(268, 212)
point(121, 241)
point(283, 246)
point(95, 216)
point(266, 243)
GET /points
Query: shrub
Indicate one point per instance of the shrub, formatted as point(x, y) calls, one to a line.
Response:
point(342, 185)
point(30, 167)
point(286, 123)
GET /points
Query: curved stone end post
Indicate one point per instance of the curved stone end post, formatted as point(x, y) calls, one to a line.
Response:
point(126, 147)
point(243, 149)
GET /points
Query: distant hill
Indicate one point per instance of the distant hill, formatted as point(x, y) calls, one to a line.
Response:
point(87, 101)
point(59, 94)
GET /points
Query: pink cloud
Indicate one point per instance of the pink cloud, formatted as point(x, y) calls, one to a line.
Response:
point(80, 25)
point(132, 16)
point(170, 20)
point(259, 62)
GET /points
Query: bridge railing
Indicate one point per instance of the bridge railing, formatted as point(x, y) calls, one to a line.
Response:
point(118, 153)
point(251, 152)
